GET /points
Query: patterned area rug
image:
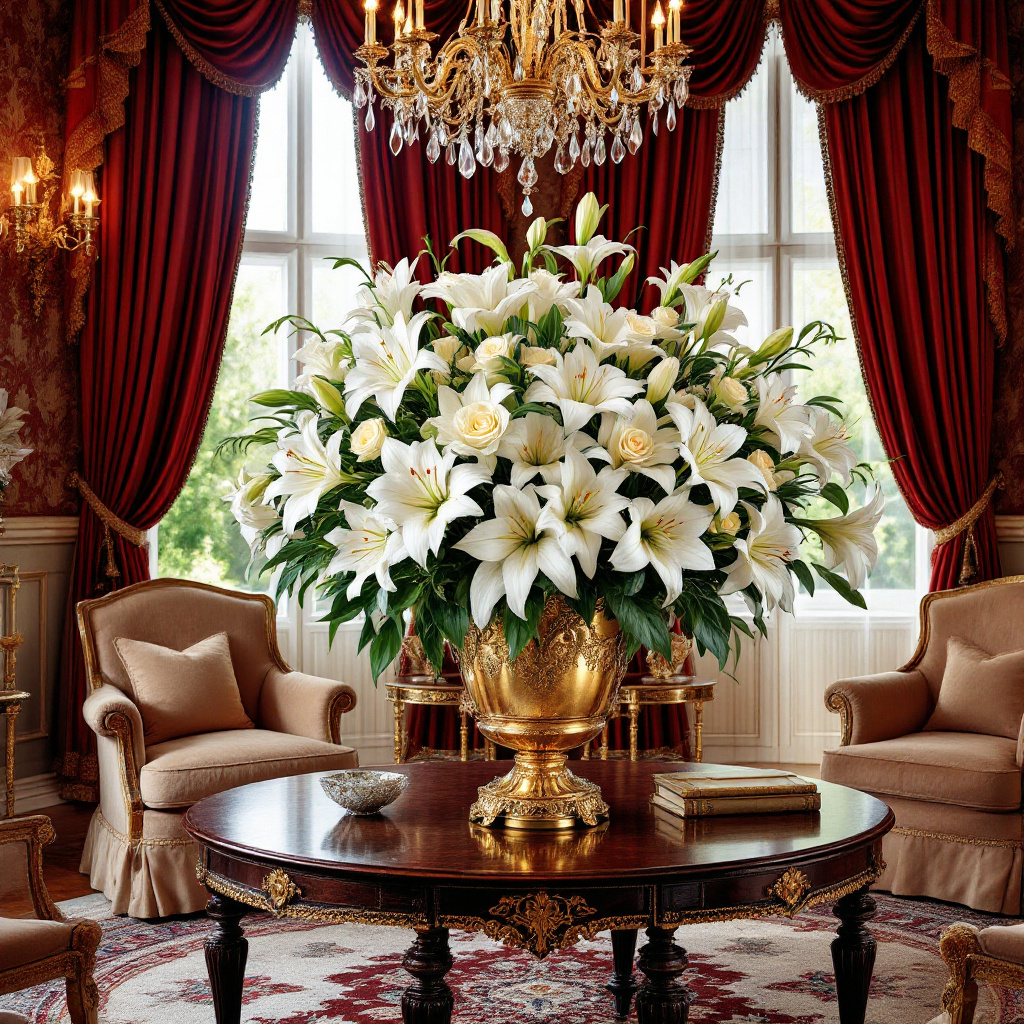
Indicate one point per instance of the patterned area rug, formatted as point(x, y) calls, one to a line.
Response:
point(768, 972)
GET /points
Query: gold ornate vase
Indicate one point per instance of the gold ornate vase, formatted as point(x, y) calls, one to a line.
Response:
point(555, 696)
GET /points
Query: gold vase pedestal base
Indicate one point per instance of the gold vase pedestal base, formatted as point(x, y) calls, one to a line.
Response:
point(539, 793)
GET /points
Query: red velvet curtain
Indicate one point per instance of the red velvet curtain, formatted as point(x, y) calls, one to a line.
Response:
point(174, 187)
point(918, 204)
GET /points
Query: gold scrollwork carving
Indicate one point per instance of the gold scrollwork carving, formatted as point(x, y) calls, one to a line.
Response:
point(540, 922)
point(280, 890)
point(790, 888)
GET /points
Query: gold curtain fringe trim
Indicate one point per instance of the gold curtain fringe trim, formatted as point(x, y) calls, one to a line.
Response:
point(110, 521)
point(853, 89)
point(716, 178)
point(965, 524)
point(206, 69)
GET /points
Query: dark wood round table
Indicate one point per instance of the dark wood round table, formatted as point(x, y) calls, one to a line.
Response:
point(283, 846)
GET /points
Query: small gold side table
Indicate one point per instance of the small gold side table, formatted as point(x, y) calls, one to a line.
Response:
point(654, 690)
point(10, 705)
point(10, 641)
point(423, 690)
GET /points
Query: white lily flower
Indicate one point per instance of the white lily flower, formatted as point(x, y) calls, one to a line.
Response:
point(849, 541)
point(386, 361)
point(394, 291)
point(12, 419)
point(637, 444)
point(423, 491)
point(473, 421)
point(704, 307)
point(371, 546)
point(482, 302)
point(762, 556)
point(251, 513)
point(309, 469)
point(587, 258)
point(784, 419)
point(581, 388)
point(551, 291)
point(583, 509)
point(606, 328)
point(513, 549)
point(322, 359)
point(666, 536)
point(674, 276)
point(534, 444)
point(709, 447)
point(826, 447)
point(588, 215)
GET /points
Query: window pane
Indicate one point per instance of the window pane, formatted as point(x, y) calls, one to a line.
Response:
point(809, 199)
point(742, 207)
point(337, 205)
point(334, 292)
point(818, 295)
point(268, 200)
point(198, 538)
point(754, 279)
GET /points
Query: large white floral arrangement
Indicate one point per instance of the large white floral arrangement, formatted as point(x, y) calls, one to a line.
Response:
point(478, 444)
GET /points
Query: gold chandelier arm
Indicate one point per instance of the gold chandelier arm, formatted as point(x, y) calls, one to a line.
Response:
point(450, 59)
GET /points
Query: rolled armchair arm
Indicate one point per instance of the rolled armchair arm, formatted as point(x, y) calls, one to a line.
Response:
point(121, 749)
point(304, 705)
point(880, 707)
point(35, 831)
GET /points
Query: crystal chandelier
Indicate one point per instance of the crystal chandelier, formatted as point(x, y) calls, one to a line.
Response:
point(517, 79)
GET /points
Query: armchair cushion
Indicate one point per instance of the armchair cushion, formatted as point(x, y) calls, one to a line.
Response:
point(184, 770)
point(181, 693)
point(1004, 942)
point(965, 769)
point(25, 941)
point(979, 692)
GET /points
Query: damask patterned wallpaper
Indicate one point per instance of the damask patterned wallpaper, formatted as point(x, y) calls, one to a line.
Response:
point(37, 365)
point(1008, 426)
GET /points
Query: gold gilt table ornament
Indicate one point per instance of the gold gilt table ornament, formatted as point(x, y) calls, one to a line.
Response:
point(546, 483)
point(10, 698)
point(553, 697)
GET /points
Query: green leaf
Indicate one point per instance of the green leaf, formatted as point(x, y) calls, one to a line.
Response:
point(841, 586)
point(384, 648)
point(519, 632)
point(452, 620)
point(430, 636)
point(526, 407)
point(281, 397)
point(803, 574)
point(834, 493)
point(642, 621)
point(367, 633)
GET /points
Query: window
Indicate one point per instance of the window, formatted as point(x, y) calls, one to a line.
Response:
point(773, 233)
point(304, 206)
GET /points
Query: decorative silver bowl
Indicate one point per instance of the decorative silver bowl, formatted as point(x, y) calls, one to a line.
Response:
point(364, 792)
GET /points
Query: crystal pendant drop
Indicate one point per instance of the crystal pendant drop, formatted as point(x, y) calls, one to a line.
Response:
point(359, 95)
point(654, 123)
point(412, 132)
point(370, 121)
point(500, 160)
point(599, 151)
point(670, 117)
point(517, 72)
point(505, 133)
point(574, 148)
point(491, 135)
point(528, 173)
point(614, 97)
point(527, 206)
point(638, 79)
point(421, 105)
point(467, 162)
point(636, 136)
point(562, 162)
point(585, 153)
point(449, 154)
point(485, 152)
point(395, 141)
point(433, 148)
point(618, 149)
point(681, 91)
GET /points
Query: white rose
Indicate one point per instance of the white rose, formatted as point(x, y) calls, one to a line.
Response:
point(368, 439)
point(490, 349)
point(764, 462)
point(666, 316)
point(730, 524)
point(532, 355)
point(634, 445)
point(644, 328)
point(447, 347)
point(480, 425)
point(731, 393)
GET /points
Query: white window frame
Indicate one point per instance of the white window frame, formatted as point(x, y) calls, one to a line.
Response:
point(780, 246)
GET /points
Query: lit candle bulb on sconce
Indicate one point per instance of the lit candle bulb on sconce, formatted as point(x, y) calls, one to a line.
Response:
point(89, 197)
point(370, 28)
point(658, 23)
point(674, 7)
point(420, 20)
point(399, 20)
point(21, 173)
point(77, 189)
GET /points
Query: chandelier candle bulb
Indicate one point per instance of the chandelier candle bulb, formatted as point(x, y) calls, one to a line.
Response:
point(399, 20)
point(77, 188)
point(370, 29)
point(658, 21)
point(675, 6)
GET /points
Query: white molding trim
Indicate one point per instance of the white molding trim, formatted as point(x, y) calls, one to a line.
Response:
point(1010, 529)
point(39, 530)
point(36, 791)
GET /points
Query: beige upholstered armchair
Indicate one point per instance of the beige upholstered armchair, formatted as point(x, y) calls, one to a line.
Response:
point(956, 795)
point(994, 955)
point(45, 946)
point(136, 851)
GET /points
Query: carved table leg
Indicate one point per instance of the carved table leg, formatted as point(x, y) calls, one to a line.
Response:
point(853, 955)
point(399, 710)
point(428, 1000)
point(663, 998)
point(226, 951)
point(634, 731)
point(698, 730)
point(622, 985)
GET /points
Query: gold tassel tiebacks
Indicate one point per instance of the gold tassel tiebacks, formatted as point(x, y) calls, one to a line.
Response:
point(110, 521)
point(965, 524)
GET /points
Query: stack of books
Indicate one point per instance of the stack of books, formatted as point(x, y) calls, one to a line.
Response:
point(732, 791)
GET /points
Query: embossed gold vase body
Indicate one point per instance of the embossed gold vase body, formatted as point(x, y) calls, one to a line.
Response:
point(555, 696)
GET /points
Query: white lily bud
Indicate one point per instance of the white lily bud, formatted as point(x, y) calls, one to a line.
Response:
point(327, 395)
point(537, 234)
point(588, 216)
point(774, 345)
point(714, 316)
point(488, 238)
point(662, 379)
